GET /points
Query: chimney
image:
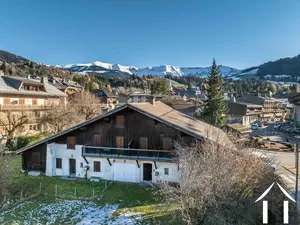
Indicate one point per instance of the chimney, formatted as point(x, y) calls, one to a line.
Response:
point(44, 80)
point(153, 100)
point(28, 76)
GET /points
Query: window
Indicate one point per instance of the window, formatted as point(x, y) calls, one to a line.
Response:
point(167, 143)
point(6, 101)
point(166, 171)
point(71, 142)
point(32, 127)
point(34, 101)
point(143, 143)
point(58, 163)
point(81, 165)
point(22, 101)
point(120, 121)
point(97, 139)
point(37, 114)
point(120, 141)
point(97, 166)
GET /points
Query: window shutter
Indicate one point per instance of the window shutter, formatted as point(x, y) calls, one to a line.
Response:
point(71, 142)
point(167, 143)
point(21, 101)
point(34, 101)
point(120, 121)
point(97, 139)
point(143, 142)
point(120, 141)
point(6, 101)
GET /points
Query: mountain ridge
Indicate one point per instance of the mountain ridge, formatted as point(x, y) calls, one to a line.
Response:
point(98, 67)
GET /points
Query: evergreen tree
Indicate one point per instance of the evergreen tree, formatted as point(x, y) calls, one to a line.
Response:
point(215, 110)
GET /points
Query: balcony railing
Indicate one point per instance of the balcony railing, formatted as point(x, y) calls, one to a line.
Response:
point(127, 153)
point(23, 107)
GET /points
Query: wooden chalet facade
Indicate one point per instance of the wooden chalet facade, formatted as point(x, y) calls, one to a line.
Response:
point(132, 143)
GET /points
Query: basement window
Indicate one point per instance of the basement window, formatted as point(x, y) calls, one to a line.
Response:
point(166, 171)
point(58, 163)
point(97, 166)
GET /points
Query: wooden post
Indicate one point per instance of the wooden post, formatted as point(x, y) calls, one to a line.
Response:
point(56, 190)
point(75, 192)
point(40, 187)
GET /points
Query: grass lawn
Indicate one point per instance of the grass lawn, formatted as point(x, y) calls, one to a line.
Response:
point(30, 185)
point(121, 202)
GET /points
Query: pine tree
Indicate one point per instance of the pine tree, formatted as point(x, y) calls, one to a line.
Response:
point(215, 110)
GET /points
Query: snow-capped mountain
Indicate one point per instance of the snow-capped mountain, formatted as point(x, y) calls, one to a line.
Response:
point(105, 68)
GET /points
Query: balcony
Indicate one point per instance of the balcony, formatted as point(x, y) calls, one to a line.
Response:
point(23, 107)
point(127, 153)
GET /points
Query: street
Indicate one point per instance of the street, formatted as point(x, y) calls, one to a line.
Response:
point(274, 134)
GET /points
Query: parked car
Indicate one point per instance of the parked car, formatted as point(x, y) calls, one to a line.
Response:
point(276, 126)
point(297, 130)
point(254, 126)
point(289, 130)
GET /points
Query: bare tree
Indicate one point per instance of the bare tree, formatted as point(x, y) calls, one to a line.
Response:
point(218, 185)
point(85, 104)
point(58, 118)
point(11, 123)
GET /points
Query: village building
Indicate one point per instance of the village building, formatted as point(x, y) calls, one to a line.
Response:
point(108, 99)
point(243, 113)
point(272, 107)
point(24, 96)
point(132, 143)
point(67, 86)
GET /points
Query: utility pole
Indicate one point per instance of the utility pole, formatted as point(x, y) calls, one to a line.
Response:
point(297, 170)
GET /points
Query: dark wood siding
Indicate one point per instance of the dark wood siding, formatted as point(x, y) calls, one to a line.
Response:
point(136, 125)
point(30, 159)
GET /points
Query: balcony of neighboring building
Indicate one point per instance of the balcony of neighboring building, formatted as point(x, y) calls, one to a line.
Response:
point(23, 107)
point(128, 153)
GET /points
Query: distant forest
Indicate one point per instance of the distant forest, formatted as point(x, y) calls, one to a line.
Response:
point(11, 58)
point(288, 66)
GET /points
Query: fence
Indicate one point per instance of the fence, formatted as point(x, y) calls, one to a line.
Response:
point(88, 191)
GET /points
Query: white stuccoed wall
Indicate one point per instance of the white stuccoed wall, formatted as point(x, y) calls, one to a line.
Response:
point(297, 113)
point(107, 172)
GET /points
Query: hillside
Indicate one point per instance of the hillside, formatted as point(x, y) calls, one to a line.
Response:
point(11, 58)
point(11, 64)
point(289, 66)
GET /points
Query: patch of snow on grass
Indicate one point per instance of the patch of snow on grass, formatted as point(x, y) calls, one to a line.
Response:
point(66, 212)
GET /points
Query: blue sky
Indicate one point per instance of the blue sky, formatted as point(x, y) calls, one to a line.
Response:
point(238, 33)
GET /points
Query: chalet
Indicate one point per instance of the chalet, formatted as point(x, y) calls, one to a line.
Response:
point(107, 98)
point(67, 86)
point(133, 143)
point(272, 109)
point(20, 95)
point(243, 113)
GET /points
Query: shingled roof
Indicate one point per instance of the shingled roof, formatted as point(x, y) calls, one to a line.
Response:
point(12, 85)
point(160, 112)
